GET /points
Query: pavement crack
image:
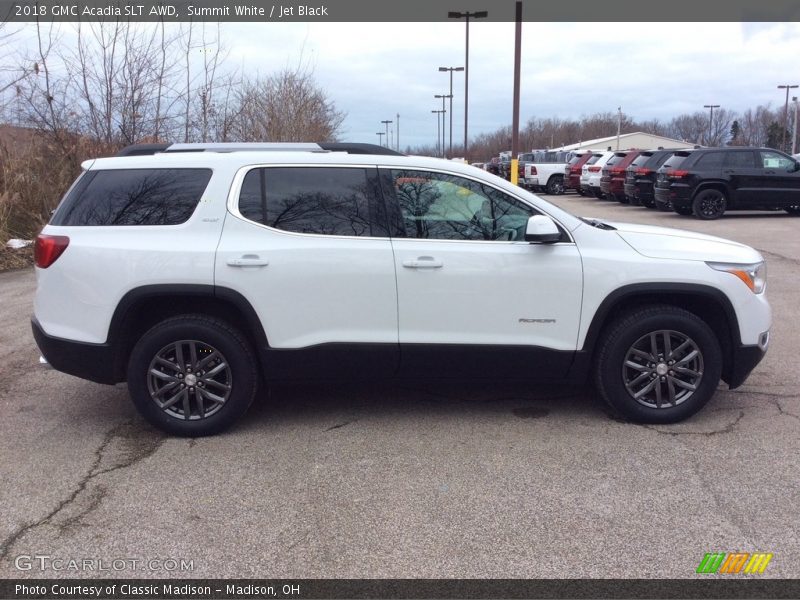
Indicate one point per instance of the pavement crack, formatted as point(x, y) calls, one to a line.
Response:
point(340, 425)
point(123, 435)
point(727, 429)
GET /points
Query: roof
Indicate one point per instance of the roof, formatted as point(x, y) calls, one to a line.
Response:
point(602, 143)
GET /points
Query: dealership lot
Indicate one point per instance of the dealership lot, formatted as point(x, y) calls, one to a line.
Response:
point(408, 479)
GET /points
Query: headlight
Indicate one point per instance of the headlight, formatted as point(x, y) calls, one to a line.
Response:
point(754, 276)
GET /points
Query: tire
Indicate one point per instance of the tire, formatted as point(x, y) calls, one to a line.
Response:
point(555, 185)
point(581, 191)
point(793, 210)
point(709, 204)
point(599, 195)
point(683, 210)
point(223, 367)
point(628, 341)
point(647, 203)
point(621, 198)
point(634, 201)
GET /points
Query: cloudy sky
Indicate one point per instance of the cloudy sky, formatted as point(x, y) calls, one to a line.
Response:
point(653, 70)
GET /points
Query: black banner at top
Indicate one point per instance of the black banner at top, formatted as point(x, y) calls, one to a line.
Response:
point(333, 11)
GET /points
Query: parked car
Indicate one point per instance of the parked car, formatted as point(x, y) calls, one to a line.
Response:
point(543, 170)
point(591, 173)
point(612, 180)
point(673, 163)
point(201, 270)
point(572, 172)
point(710, 181)
point(641, 174)
point(493, 166)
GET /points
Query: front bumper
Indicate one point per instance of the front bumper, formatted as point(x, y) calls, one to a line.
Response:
point(743, 360)
point(94, 362)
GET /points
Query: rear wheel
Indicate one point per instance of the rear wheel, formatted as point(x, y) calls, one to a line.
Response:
point(555, 185)
point(709, 204)
point(598, 194)
point(192, 375)
point(793, 210)
point(658, 364)
point(581, 191)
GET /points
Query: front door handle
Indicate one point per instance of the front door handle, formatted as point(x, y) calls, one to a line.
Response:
point(248, 260)
point(423, 262)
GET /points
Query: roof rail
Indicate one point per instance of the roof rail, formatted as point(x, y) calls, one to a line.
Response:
point(350, 148)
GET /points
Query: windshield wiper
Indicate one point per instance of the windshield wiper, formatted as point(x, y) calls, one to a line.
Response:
point(598, 224)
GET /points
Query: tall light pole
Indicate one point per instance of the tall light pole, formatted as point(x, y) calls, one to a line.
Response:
point(380, 135)
point(786, 87)
point(397, 137)
point(444, 112)
point(710, 122)
point(515, 107)
point(438, 129)
point(451, 69)
point(619, 125)
point(387, 131)
point(794, 135)
point(480, 14)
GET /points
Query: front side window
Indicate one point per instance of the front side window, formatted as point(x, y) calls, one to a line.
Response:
point(448, 207)
point(133, 197)
point(773, 160)
point(319, 200)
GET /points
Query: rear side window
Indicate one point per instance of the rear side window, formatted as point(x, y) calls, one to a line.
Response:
point(133, 197)
point(319, 200)
point(710, 160)
point(742, 160)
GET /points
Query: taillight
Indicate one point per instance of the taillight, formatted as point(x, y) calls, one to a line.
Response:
point(617, 170)
point(521, 171)
point(594, 169)
point(533, 170)
point(643, 171)
point(676, 173)
point(48, 248)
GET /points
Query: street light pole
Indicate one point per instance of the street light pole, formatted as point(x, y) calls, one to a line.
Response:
point(397, 137)
point(794, 134)
point(710, 122)
point(387, 131)
point(380, 135)
point(480, 14)
point(438, 130)
point(451, 69)
point(619, 125)
point(786, 87)
point(444, 112)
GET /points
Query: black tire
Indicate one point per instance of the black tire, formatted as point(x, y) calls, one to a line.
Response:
point(621, 198)
point(217, 347)
point(599, 194)
point(633, 201)
point(581, 191)
point(647, 203)
point(615, 354)
point(709, 204)
point(793, 210)
point(683, 210)
point(555, 185)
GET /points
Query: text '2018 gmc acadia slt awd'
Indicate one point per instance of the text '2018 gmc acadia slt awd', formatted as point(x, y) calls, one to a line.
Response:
point(194, 272)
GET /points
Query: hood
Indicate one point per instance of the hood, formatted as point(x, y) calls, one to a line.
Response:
point(664, 242)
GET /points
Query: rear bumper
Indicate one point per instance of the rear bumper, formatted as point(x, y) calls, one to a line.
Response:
point(744, 360)
point(94, 362)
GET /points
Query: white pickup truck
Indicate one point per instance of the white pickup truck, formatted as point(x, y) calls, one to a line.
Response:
point(544, 170)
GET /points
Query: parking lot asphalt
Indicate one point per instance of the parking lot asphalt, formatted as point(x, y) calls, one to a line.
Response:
point(408, 479)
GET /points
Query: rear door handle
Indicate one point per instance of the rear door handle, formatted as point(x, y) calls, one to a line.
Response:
point(423, 262)
point(248, 260)
point(770, 172)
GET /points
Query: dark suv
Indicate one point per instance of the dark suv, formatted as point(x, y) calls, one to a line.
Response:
point(613, 179)
point(572, 172)
point(641, 175)
point(710, 181)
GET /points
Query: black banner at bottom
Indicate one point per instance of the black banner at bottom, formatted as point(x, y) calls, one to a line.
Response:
point(198, 589)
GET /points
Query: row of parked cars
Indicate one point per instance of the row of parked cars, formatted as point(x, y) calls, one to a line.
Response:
point(704, 182)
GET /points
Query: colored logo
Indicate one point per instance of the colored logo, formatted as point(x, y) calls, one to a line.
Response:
point(734, 562)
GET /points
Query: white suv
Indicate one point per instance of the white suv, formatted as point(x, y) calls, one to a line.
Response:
point(196, 272)
point(591, 173)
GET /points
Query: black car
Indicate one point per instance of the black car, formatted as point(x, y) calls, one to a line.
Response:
point(709, 181)
point(641, 176)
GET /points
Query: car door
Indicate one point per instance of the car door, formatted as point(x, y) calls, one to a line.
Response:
point(739, 168)
point(473, 297)
point(308, 247)
point(780, 181)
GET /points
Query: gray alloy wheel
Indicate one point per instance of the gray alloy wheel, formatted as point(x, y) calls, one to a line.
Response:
point(189, 380)
point(709, 204)
point(555, 185)
point(662, 369)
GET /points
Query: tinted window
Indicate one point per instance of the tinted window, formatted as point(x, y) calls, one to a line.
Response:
point(594, 159)
point(133, 197)
point(710, 160)
point(774, 160)
point(447, 207)
point(659, 159)
point(526, 157)
point(615, 159)
point(675, 160)
point(744, 160)
point(575, 160)
point(642, 159)
point(321, 200)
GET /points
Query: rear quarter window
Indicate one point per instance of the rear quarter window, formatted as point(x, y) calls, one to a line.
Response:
point(709, 160)
point(133, 197)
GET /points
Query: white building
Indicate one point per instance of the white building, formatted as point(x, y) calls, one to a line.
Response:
point(638, 140)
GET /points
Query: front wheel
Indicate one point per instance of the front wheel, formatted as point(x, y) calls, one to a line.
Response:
point(709, 205)
point(555, 185)
point(192, 375)
point(659, 364)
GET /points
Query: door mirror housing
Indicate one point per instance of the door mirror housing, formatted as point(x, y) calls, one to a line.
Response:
point(541, 229)
point(795, 167)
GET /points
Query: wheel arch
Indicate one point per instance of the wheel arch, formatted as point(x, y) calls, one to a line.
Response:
point(142, 307)
point(708, 303)
point(714, 184)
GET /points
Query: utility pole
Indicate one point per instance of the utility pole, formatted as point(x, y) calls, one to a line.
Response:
point(380, 135)
point(794, 135)
point(619, 124)
point(515, 113)
point(397, 139)
point(438, 130)
point(451, 69)
point(710, 122)
point(786, 87)
point(444, 112)
point(386, 123)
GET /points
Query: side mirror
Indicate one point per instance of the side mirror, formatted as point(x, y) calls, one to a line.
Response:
point(542, 230)
point(795, 167)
